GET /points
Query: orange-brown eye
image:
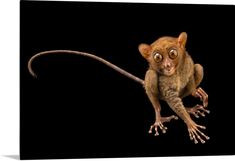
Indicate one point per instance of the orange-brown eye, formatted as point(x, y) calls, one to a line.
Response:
point(157, 57)
point(173, 54)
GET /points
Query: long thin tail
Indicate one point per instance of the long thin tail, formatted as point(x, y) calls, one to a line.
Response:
point(123, 72)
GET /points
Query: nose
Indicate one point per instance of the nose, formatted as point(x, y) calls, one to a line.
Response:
point(167, 63)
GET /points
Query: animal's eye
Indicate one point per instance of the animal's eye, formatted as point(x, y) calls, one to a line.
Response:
point(173, 54)
point(157, 57)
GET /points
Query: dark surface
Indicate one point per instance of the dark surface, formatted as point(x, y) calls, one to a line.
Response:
point(80, 108)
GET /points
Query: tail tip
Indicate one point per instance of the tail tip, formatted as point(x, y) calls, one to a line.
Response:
point(34, 75)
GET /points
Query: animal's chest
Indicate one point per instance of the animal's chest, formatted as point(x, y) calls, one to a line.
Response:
point(173, 83)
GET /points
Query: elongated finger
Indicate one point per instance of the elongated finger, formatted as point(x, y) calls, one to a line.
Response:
point(168, 119)
point(204, 96)
point(195, 114)
point(151, 129)
point(201, 113)
point(173, 117)
point(200, 126)
point(206, 111)
point(203, 92)
point(207, 138)
point(161, 125)
point(163, 128)
point(156, 132)
point(198, 136)
point(205, 102)
point(194, 138)
point(203, 109)
point(198, 95)
point(190, 135)
point(201, 140)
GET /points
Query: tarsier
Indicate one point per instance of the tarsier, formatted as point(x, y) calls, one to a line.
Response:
point(171, 76)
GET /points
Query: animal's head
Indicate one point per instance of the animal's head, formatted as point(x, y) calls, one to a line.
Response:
point(164, 55)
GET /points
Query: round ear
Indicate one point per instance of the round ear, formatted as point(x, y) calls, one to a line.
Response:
point(182, 39)
point(144, 50)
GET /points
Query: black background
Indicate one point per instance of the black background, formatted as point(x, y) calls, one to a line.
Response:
point(80, 108)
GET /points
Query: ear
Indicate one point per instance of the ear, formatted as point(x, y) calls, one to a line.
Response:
point(182, 39)
point(144, 50)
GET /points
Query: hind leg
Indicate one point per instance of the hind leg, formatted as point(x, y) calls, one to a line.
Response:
point(198, 92)
point(194, 81)
point(198, 74)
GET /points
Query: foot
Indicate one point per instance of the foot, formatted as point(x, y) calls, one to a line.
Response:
point(195, 134)
point(202, 95)
point(159, 124)
point(197, 110)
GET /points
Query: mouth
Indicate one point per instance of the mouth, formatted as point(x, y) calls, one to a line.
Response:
point(169, 71)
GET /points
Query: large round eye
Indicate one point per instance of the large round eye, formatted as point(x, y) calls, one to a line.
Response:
point(157, 57)
point(173, 54)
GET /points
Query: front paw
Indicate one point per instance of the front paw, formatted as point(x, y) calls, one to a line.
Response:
point(195, 134)
point(159, 124)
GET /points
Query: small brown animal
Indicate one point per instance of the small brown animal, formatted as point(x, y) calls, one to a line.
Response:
point(171, 76)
